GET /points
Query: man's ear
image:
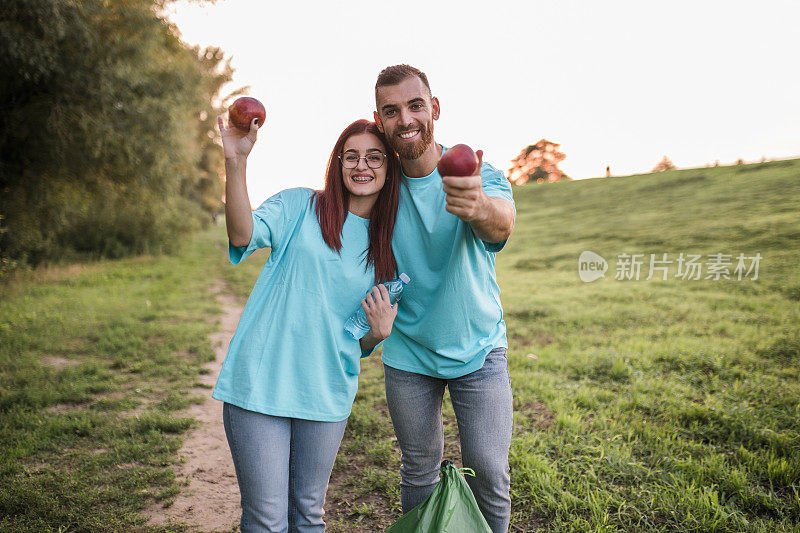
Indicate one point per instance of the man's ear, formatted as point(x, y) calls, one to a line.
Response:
point(435, 105)
point(377, 121)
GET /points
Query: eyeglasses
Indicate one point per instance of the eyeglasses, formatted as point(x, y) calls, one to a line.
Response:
point(373, 159)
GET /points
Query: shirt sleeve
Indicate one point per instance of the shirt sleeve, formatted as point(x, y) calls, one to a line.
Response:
point(269, 224)
point(496, 185)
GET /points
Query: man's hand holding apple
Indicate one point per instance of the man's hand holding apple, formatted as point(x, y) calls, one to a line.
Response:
point(492, 219)
point(464, 194)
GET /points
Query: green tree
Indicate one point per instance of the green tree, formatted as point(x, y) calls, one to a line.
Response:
point(105, 118)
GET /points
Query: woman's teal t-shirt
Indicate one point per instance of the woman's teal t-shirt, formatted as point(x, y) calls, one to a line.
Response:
point(290, 355)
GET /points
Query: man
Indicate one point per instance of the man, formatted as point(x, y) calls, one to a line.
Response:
point(449, 329)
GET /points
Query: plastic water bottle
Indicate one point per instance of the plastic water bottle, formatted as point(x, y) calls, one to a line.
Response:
point(357, 325)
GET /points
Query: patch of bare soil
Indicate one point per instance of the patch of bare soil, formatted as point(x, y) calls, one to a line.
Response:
point(210, 502)
point(57, 362)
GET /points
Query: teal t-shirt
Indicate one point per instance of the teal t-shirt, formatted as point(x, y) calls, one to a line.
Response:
point(450, 316)
point(290, 355)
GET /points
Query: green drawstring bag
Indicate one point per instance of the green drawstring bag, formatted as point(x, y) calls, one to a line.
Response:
point(450, 509)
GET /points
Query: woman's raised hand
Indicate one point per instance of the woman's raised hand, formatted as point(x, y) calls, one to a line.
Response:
point(380, 312)
point(236, 143)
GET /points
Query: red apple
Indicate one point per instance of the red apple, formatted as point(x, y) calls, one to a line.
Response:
point(459, 160)
point(243, 110)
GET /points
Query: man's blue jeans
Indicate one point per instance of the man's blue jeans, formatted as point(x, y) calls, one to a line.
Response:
point(483, 406)
point(283, 466)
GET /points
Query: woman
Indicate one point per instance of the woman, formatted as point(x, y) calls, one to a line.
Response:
point(291, 372)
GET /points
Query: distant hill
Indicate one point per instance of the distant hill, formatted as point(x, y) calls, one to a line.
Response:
point(742, 208)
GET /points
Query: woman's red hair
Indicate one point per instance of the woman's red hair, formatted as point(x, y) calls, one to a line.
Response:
point(332, 202)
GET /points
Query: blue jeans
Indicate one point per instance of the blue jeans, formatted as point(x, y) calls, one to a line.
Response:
point(482, 403)
point(283, 466)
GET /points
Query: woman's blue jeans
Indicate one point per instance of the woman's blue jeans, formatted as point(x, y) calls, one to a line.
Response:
point(483, 406)
point(283, 466)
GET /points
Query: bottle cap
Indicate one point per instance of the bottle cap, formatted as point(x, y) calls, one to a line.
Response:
point(404, 278)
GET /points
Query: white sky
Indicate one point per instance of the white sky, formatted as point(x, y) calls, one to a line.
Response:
point(617, 83)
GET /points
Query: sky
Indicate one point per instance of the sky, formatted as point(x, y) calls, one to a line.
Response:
point(617, 83)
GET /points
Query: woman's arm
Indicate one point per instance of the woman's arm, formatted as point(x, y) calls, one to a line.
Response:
point(380, 316)
point(238, 214)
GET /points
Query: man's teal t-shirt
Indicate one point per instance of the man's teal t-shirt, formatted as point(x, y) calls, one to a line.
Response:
point(449, 316)
point(290, 355)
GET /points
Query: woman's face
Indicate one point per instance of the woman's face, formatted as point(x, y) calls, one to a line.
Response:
point(363, 181)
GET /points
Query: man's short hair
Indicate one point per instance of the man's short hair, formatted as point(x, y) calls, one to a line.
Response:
point(397, 73)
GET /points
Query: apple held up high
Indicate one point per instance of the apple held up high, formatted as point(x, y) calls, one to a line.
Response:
point(243, 110)
point(458, 160)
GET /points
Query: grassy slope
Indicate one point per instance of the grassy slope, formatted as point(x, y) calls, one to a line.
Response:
point(667, 405)
point(650, 405)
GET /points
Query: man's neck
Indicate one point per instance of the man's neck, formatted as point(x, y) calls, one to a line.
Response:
point(424, 164)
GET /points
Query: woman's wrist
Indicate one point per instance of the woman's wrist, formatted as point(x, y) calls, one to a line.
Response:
point(377, 336)
point(237, 160)
point(370, 340)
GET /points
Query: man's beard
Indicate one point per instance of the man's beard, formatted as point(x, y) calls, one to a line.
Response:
point(416, 149)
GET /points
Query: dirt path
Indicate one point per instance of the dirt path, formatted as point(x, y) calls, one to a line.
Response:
point(211, 500)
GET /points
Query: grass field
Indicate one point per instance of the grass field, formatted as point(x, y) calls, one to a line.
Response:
point(640, 405)
point(96, 361)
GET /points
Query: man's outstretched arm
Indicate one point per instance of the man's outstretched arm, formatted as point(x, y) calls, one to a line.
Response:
point(496, 222)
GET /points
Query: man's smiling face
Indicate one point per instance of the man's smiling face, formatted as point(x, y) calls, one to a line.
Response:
point(406, 112)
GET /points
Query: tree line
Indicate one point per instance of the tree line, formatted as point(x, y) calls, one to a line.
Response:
point(106, 130)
